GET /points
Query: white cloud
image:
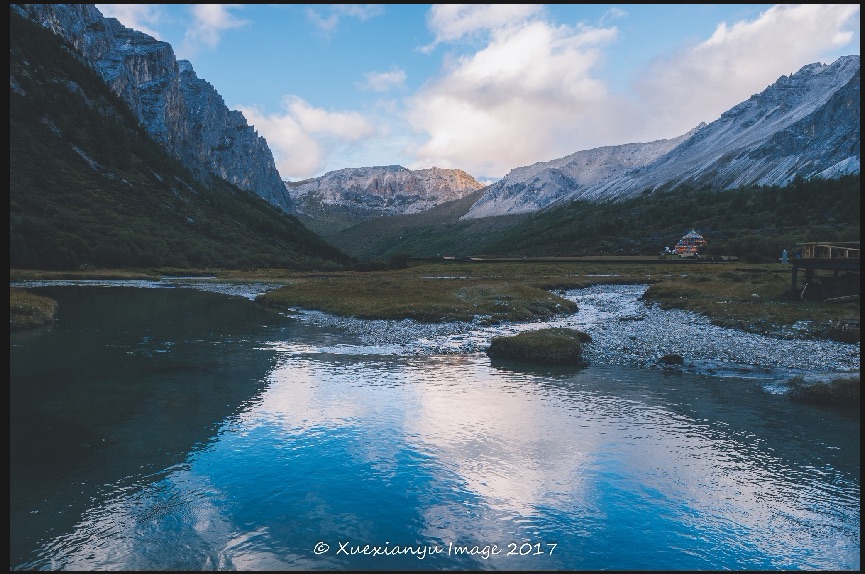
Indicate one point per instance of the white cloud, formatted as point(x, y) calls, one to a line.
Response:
point(383, 81)
point(452, 22)
point(613, 13)
point(699, 83)
point(519, 100)
point(533, 92)
point(208, 23)
point(336, 12)
point(302, 137)
point(142, 17)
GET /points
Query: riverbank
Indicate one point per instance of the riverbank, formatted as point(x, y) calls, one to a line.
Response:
point(625, 330)
point(754, 298)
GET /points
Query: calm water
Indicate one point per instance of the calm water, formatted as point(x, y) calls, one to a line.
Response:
point(180, 429)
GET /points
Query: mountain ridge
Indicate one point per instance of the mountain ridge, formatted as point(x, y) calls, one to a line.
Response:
point(742, 147)
point(342, 198)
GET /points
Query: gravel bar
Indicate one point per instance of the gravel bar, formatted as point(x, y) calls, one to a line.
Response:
point(625, 331)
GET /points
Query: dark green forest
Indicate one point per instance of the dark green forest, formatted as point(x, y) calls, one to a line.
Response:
point(750, 222)
point(88, 187)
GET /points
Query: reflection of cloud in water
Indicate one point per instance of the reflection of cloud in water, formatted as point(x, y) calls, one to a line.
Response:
point(520, 452)
point(501, 448)
point(500, 440)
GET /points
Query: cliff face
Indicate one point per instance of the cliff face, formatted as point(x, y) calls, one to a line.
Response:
point(180, 111)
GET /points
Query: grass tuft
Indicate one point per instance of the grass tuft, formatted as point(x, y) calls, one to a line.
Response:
point(555, 346)
point(28, 311)
point(841, 392)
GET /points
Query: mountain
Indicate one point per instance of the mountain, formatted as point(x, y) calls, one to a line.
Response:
point(180, 111)
point(803, 126)
point(342, 198)
point(90, 186)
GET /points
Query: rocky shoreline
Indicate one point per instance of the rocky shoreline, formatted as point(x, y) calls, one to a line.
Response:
point(625, 331)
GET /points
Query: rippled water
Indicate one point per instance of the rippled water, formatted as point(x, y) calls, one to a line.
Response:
point(181, 429)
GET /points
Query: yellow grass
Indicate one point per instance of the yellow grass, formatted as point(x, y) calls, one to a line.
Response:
point(27, 311)
point(752, 297)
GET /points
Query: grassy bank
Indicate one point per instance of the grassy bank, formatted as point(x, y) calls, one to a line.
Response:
point(28, 311)
point(844, 392)
point(555, 346)
point(751, 297)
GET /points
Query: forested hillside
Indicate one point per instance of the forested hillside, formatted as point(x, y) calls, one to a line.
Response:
point(88, 187)
point(756, 221)
point(748, 221)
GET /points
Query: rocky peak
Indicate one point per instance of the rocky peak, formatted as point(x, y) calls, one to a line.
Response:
point(390, 190)
point(182, 112)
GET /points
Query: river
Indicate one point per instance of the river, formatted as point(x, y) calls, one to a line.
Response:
point(187, 428)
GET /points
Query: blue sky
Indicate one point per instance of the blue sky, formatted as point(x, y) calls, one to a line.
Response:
point(485, 88)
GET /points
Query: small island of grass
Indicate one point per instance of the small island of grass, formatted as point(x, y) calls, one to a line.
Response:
point(554, 346)
point(28, 311)
point(842, 391)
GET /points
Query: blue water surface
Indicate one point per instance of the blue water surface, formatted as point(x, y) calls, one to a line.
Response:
point(178, 429)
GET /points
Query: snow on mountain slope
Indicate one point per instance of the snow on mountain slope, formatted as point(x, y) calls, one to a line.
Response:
point(804, 125)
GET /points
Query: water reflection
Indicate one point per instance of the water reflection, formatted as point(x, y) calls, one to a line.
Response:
point(235, 440)
point(121, 388)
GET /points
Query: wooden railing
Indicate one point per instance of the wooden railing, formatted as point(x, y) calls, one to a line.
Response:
point(826, 250)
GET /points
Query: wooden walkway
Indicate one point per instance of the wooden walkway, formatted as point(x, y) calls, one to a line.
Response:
point(836, 256)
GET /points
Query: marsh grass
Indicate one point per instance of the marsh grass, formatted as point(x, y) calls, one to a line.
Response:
point(555, 346)
point(81, 274)
point(28, 311)
point(750, 297)
point(430, 299)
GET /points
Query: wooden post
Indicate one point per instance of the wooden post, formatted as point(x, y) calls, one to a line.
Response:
point(793, 282)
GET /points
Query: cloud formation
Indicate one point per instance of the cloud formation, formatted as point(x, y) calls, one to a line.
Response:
point(142, 17)
point(518, 100)
point(533, 91)
point(302, 136)
point(336, 12)
point(453, 22)
point(208, 23)
point(383, 81)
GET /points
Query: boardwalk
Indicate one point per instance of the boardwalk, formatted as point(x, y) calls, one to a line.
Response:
point(832, 255)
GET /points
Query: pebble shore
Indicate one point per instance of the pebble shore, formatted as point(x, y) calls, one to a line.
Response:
point(625, 331)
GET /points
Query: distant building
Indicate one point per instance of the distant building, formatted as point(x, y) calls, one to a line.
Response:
point(690, 245)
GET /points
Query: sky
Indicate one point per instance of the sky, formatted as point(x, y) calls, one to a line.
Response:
point(482, 87)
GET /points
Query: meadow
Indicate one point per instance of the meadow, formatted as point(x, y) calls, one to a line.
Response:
point(753, 297)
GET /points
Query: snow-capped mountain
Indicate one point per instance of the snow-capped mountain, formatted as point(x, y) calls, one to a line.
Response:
point(382, 190)
point(804, 125)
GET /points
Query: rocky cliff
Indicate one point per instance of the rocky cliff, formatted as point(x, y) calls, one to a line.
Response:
point(180, 111)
